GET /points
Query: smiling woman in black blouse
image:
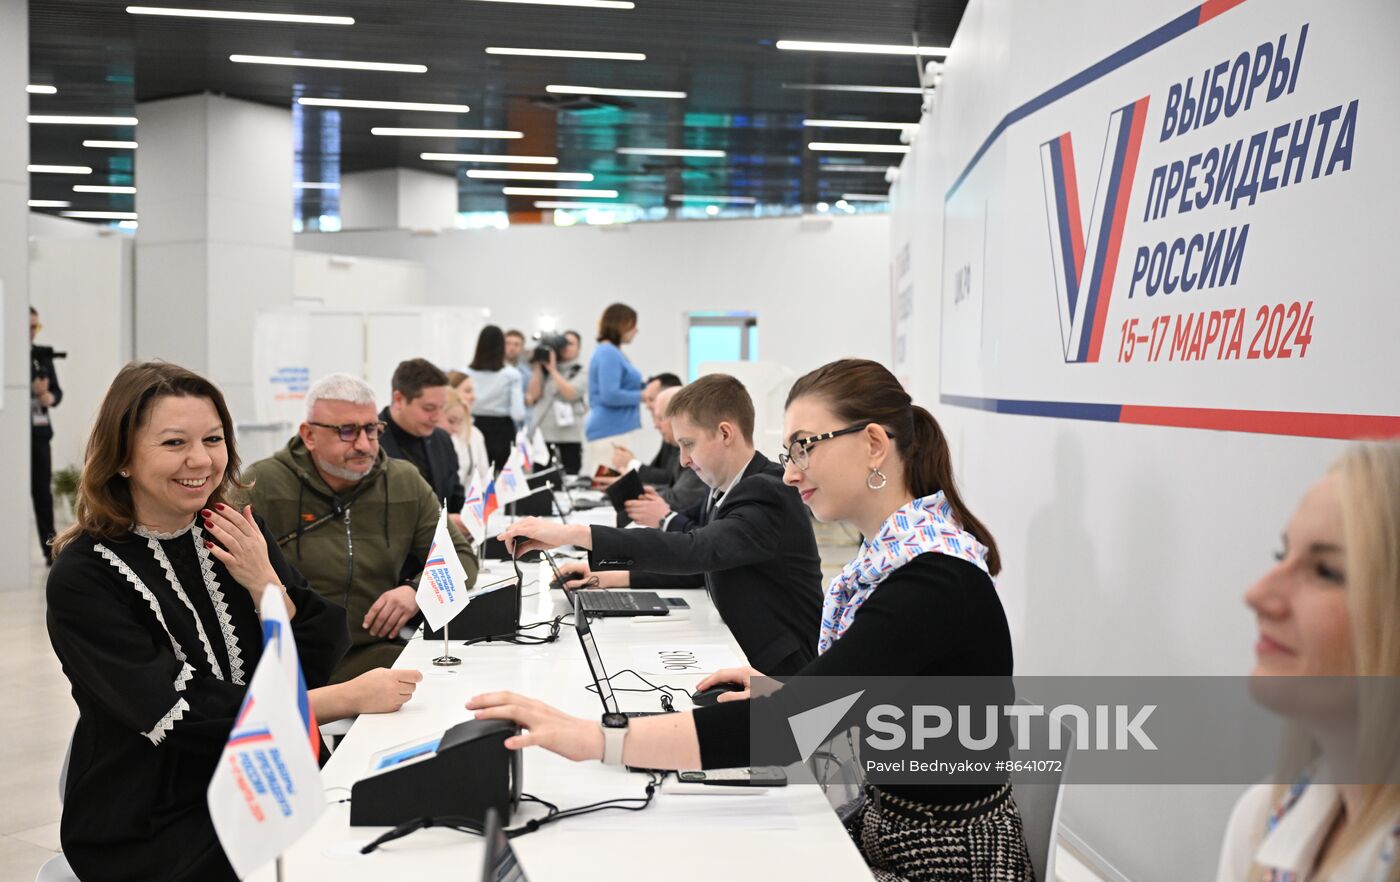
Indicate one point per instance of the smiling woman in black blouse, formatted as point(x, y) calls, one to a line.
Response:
point(917, 600)
point(152, 610)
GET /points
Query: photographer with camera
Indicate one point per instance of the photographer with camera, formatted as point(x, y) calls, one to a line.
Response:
point(44, 393)
point(559, 403)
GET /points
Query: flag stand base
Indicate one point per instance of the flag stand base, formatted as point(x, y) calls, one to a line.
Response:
point(446, 661)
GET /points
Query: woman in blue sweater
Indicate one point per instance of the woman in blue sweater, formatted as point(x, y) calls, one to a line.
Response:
point(614, 387)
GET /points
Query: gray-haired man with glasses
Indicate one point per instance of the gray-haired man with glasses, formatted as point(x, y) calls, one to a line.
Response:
point(357, 523)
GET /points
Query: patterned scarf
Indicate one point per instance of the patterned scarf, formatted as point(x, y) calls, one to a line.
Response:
point(918, 527)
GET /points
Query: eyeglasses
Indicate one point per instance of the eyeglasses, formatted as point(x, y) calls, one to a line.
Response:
point(797, 451)
point(351, 431)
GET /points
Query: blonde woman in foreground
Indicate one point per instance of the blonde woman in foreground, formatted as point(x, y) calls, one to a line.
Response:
point(1330, 608)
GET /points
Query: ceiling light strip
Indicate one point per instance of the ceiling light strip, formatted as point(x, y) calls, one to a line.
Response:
point(859, 124)
point(63, 120)
point(492, 158)
point(359, 104)
point(59, 170)
point(858, 148)
point(111, 145)
point(589, 4)
point(836, 87)
point(566, 53)
point(732, 200)
point(230, 15)
point(392, 132)
point(863, 48)
point(289, 61)
point(101, 188)
point(559, 191)
point(509, 175)
point(102, 215)
point(621, 93)
point(667, 151)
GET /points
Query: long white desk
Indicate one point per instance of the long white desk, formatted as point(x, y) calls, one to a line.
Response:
point(779, 833)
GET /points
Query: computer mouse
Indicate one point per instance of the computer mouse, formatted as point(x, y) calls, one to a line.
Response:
point(711, 695)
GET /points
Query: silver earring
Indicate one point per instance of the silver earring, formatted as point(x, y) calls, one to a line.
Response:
point(124, 473)
point(874, 476)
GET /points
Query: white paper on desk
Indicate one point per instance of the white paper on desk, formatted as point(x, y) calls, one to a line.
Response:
point(683, 813)
point(683, 658)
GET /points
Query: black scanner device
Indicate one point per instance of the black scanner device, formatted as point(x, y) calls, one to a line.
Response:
point(466, 771)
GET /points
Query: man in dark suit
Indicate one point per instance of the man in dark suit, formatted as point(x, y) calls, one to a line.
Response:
point(749, 541)
point(44, 393)
point(412, 418)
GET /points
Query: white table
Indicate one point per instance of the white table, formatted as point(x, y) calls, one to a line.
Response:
point(776, 834)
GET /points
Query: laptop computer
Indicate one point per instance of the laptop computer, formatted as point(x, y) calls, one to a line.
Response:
point(610, 604)
point(600, 675)
point(499, 864)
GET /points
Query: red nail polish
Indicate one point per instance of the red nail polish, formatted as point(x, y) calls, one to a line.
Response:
point(219, 506)
point(209, 545)
point(204, 512)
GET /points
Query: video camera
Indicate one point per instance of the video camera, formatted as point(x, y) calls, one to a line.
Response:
point(547, 343)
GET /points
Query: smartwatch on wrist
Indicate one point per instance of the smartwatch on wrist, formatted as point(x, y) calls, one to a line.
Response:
point(614, 736)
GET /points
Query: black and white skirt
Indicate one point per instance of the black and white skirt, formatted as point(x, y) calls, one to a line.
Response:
point(905, 841)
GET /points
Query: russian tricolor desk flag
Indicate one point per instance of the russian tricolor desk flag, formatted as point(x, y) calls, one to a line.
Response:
point(442, 592)
point(266, 791)
point(474, 512)
point(511, 484)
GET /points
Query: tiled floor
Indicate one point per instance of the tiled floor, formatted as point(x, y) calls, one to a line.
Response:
point(37, 720)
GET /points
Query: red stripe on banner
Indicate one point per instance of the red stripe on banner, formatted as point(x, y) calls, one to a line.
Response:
point(1266, 422)
point(1211, 8)
point(1076, 221)
point(1119, 220)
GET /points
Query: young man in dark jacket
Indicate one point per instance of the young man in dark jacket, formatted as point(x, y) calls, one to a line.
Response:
point(749, 541)
point(419, 399)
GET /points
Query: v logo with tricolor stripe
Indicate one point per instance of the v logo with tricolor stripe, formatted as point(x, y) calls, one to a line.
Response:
point(1085, 259)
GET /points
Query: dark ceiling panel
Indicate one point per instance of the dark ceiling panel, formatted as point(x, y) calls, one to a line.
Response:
point(721, 52)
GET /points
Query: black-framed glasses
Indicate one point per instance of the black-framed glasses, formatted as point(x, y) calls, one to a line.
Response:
point(797, 452)
point(351, 431)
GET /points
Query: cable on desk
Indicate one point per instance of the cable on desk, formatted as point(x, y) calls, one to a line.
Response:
point(667, 696)
point(553, 813)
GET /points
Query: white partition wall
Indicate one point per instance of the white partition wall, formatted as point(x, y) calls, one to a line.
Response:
point(1137, 390)
point(819, 289)
point(17, 536)
point(295, 347)
point(82, 289)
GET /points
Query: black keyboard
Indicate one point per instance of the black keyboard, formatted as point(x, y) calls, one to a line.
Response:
point(620, 603)
point(609, 601)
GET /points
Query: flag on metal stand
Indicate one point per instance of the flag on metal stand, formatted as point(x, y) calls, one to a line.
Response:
point(442, 592)
point(266, 790)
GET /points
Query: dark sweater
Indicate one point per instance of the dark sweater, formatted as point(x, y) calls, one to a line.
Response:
point(434, 457)
point(935, 616)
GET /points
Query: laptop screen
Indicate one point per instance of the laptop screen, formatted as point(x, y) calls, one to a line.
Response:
point(500, 862)
point(595, 663)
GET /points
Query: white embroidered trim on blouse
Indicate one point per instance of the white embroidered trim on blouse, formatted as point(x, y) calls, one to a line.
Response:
point(216, 594)
point(164, 724)
point(167, 722)
point(179, 590)
point(148, 533)
point(145, 592)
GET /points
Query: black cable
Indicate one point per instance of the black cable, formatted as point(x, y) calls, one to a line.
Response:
point(667, 696)
point(553, 813)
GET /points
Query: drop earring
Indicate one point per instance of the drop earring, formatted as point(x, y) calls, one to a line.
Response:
point(876, 480)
